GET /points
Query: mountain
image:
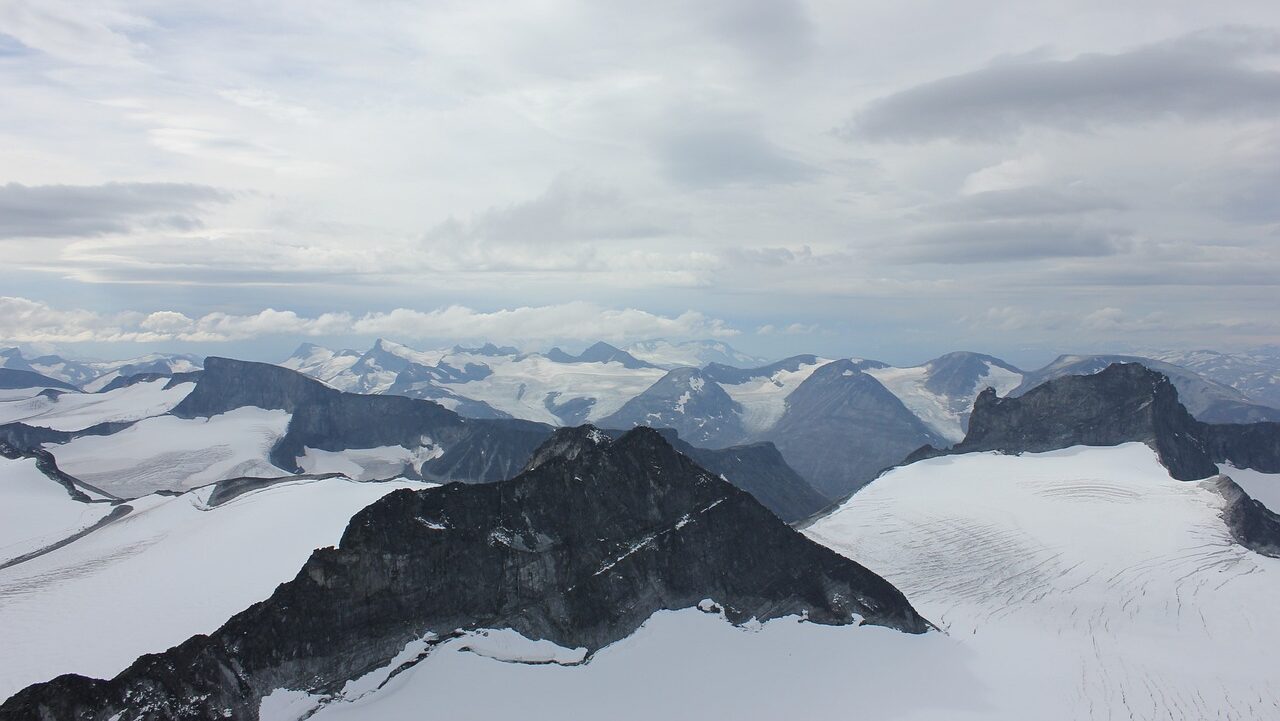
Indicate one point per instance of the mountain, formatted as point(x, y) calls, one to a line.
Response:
point(687, 400)
point(841, 427)
point(1078, 583)
point(1256, 374)
point(941, 392)
point(577, 551)
point(1123, 403)
point(489, 381)
point(93, 375)
point(757, 468)
point(691, 353)
point(18, 384)
point(1207, 400)
point(600, 352)
point(441, 445)
point(319, 362)
point(127, 399)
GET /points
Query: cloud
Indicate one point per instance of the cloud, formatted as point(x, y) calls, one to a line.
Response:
point(714, 156)
point(66, 211)
point(1026, 202)
point(26, 321)
point(1009, 240)
point(1207, 74)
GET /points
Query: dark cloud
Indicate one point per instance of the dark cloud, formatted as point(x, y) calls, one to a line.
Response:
point(1025, 202)
point(1009, 240)
point(728, 155)
point(68, 211)
point(1202, 75)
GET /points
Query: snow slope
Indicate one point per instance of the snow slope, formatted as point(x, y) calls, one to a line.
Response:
point(370, 464)
point(944, 414)
point(77, 411)
point(36, 511)
point(171, 568)
point(681, 665)
point(170, 453)
point(764, 398)
point(1085, 577)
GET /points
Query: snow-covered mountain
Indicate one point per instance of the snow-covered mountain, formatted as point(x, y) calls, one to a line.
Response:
point(93, 375)
point(1256, 374)
point(941, 392)
point(600, 539)
point(493, 381)
point(691, 353)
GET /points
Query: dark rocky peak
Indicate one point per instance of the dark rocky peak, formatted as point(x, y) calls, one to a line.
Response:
point(577, 551)
point(568, 443)
point(842, 427)
point(600, 352)
point(488, 349)
point(1123, 403)
point(16, 378)
point(227, 384)
point(721, 373)
point(956, 374)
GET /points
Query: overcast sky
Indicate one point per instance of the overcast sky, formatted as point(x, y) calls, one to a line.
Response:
point(885, 179)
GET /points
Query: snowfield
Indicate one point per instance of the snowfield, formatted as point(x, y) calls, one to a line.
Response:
point(681, 665)
point(943, 414)
point(171, 568)
point(764, 398)
point(170, 453)
point(37, 511)
point(1086, 578)
point(77, 411)
point(521, 385)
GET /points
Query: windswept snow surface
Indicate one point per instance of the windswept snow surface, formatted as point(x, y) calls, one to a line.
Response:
point(1084, 583)
point(681, 665)
point(36, 511)
point(171, 568)
point(945, 415)
point(77, 411)
point(170, 453)
point(764, 398)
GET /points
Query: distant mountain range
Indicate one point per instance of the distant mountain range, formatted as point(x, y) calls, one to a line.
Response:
point(838, 422)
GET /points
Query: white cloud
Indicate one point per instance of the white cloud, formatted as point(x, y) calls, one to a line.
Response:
point(26, 321)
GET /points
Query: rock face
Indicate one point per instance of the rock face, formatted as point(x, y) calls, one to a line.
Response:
point(1252, 524)
point(578, 550)
point(1123, 403)
point(842, 427)
point(1207, 400)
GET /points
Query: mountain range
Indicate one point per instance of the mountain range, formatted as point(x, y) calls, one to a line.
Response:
point(1091, 523)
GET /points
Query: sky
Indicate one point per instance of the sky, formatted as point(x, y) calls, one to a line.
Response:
point(882, 179)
